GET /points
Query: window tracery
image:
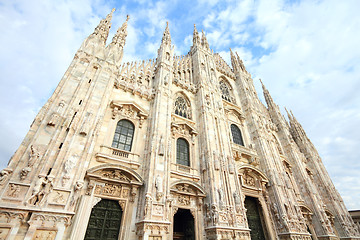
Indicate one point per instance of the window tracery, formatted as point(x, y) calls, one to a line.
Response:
point(182, 107)
point(225, 92)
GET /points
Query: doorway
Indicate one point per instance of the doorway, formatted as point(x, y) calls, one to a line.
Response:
point(253, 215)
point(183, 227)
point(105, 221)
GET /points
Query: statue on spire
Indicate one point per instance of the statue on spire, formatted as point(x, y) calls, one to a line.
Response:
point(119, 38)
point(166, 39)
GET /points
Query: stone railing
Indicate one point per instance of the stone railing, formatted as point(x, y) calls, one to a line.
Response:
point(245, 154)
point(110, 153)
point(184, 171)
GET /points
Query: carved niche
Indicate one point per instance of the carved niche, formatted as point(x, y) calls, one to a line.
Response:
point(129, 110)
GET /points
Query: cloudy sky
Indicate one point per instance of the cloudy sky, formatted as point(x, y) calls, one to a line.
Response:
point(306, 52)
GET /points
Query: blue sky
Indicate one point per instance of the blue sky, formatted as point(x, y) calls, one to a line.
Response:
point(306, 52)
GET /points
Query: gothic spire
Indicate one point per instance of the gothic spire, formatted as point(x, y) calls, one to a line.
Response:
point(234, 61)
point(204, 41)
point(166, 39)
point(196, 38)
point(119, 38)
point(267, 96)
point(102, 30)
point(241, 63)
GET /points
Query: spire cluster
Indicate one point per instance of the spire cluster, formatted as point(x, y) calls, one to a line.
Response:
point(237, 63)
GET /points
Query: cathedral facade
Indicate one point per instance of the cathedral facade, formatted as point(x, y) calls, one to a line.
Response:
point(179, 147)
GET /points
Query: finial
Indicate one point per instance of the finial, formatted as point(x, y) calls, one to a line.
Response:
point(262, 84)
point(166, 36)
point(121, 34)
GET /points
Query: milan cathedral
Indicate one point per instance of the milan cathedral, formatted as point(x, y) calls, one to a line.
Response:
point(180, 147)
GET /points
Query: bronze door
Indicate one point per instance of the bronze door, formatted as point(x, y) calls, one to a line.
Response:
point(105, 221)
point(254, 218)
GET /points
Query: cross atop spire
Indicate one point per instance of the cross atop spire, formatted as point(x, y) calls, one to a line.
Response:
point(166, 39)
point(121, 34)
point(102, 30)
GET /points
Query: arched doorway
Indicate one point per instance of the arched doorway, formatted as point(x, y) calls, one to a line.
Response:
point(253, 215)
point(105, 221)
point(183, 225)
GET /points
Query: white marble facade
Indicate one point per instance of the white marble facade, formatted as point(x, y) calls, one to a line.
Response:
point(236, 148)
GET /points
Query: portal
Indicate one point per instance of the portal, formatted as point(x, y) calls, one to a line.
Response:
point(254, 218)
point(105, 221)
point(183, 225)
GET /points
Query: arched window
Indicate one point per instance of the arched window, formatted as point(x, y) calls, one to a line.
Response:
point(124, 134)
point(236, 134)
point(182, 108)
point(182, 152)
point(225, 92)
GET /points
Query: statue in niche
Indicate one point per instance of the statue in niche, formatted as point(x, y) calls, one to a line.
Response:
point(221, 198)
point(161, 146)
point(24, 173)
point(77, 188)
point(34, 156)
point(4, 175)
point(159, 188)
point(85, 126)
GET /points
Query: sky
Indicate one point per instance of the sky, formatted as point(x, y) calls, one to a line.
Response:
point(306, 52)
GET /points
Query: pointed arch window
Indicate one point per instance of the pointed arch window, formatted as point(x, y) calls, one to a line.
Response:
point(236, 134)
point(182, 107)
point(225, 92)
point(182, 152)
point(124, 134)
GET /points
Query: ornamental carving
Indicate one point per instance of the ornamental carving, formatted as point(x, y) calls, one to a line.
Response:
point(183, 129)
point(115, 174)
point(4, 232)
point(183, 200)
point(13, 191)
point(44, 235)
point(49, 221)
point(129, 110)
point(109, 190)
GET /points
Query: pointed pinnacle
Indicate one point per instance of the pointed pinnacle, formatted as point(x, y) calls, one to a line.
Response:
point(166, 35)
point(289, 116)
